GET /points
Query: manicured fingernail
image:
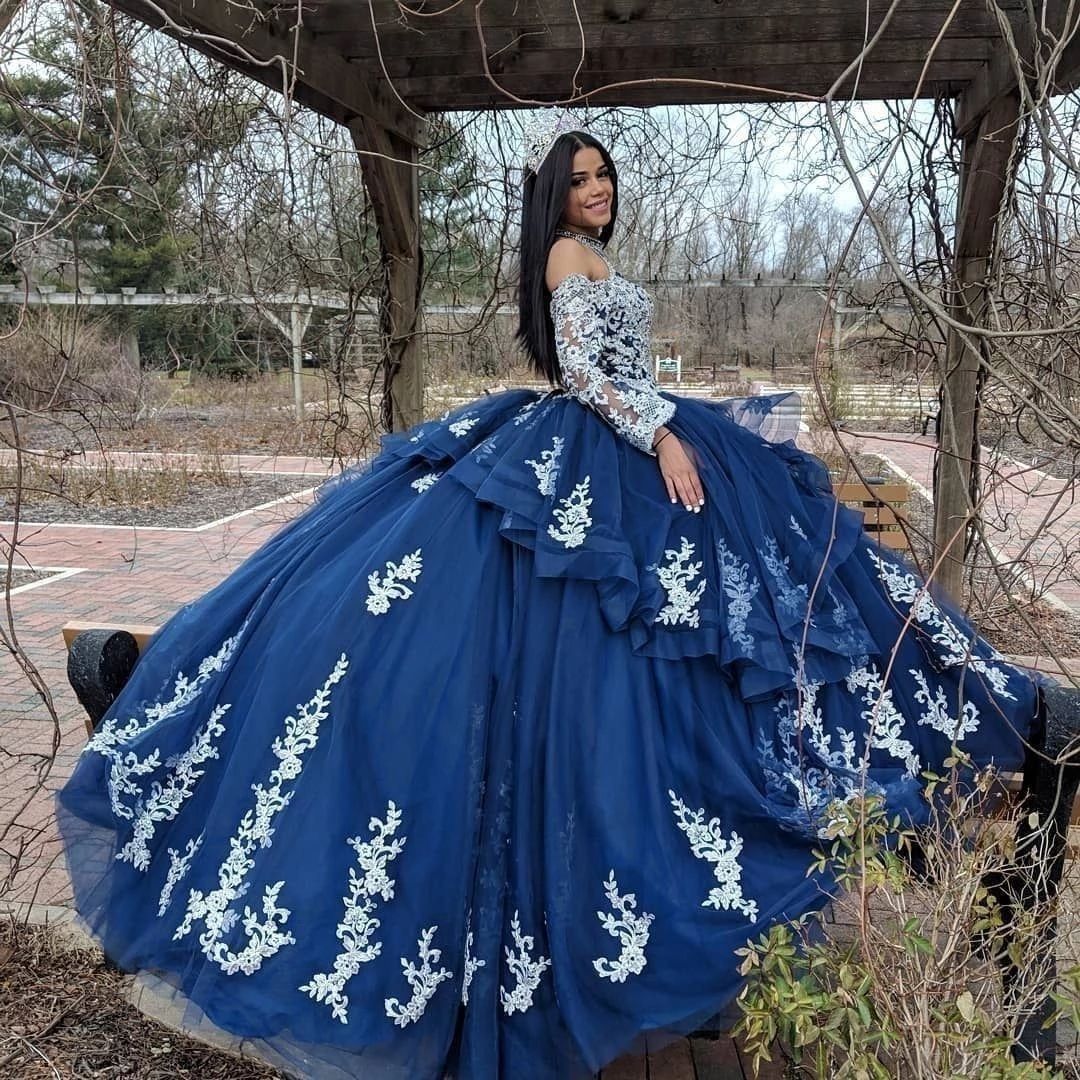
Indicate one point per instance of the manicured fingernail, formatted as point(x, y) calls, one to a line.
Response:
point(697, 509)
point(689, 507)
point(701, 502)
point(674, 501)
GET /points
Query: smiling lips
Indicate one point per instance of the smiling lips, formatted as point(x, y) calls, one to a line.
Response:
point(597, 207)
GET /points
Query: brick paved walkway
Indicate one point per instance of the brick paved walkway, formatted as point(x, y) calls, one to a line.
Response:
point(1032, 519)
point(113, 574)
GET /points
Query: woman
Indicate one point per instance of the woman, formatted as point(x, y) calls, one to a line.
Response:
point(487, 763)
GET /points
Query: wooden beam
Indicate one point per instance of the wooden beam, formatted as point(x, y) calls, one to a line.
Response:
point(659, 93)
point(761, 27)
point(272, 52)
point(807, 78)
point(526, 58)
point(985, 174)
point(391, 176)
point(349, 17)
point(1000, 76)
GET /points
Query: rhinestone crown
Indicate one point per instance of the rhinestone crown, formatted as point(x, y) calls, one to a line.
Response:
point(543, 130)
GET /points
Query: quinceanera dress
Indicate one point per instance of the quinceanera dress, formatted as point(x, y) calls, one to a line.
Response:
point(488, 762)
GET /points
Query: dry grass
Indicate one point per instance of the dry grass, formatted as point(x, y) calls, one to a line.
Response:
point(49, 478)
point(63, 1014)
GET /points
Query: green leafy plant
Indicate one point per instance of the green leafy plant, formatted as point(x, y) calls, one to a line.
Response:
point(926, 971)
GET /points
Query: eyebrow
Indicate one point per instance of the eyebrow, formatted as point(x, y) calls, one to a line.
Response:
point(585, 172)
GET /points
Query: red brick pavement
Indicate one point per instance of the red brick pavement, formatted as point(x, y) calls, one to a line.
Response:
point(1032, 519)
point(125, 575)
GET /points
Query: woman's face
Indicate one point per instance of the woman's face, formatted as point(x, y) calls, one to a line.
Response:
point(588, 202)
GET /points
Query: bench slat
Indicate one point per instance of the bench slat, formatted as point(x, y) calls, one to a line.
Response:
point(856, 491)
point(141, 632)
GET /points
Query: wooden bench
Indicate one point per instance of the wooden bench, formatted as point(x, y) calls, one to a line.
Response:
point(101, 657)
point(882, 506)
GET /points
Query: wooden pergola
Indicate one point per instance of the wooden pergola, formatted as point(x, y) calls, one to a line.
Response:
point(378, 67)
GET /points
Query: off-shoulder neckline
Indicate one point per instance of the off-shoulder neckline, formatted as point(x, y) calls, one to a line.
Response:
point(585, 277)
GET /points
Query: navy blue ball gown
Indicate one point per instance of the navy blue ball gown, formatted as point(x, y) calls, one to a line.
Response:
point(486, 764)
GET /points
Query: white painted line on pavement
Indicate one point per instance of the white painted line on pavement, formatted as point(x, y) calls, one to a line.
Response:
point(292, 495)
point(56, 573)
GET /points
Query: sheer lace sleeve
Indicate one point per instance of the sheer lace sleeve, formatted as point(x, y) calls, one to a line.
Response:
point(588, 345)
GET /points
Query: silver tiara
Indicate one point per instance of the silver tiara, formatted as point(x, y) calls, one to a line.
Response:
point(542, 132)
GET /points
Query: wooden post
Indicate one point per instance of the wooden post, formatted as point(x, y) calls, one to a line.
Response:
point(392, 182)
point(987, 153)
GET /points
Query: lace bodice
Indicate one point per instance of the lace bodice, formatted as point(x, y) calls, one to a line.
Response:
point(602, 343)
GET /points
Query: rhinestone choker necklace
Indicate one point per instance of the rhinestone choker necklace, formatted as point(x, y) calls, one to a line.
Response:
point(589, 241)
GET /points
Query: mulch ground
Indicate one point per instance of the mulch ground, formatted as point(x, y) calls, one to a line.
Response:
point(63, 1014)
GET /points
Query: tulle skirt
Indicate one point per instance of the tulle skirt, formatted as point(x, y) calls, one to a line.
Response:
point(486, 764)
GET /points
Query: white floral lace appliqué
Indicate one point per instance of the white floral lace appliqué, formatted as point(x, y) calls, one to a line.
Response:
point(631, 930)
point(423, 980)
point(708, 842)
point(675, 579)
point(125, 795)
point(956, 648)
point(472, 964)
point(885, 722)
point(740, 589)
point(356, 931)
point(812, 790)
point(179, 865)
point(263, 939)
point(526, 971)
point(165, 799)
point(573, 517)
point(423, 483)
point(547, 468)
point(462, 427)
point(793, 598)
point(602, 332)
point(937, 715)
point(391, 586)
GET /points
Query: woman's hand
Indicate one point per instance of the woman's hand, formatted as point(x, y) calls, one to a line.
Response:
point(678, 471)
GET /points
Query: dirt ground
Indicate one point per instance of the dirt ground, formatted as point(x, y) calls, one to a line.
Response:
point(63, 1014)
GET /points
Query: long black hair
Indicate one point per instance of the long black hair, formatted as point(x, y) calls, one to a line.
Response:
point(543, 202)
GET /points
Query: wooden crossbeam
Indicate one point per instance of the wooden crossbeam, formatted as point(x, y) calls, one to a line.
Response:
point(658, 92)
point(806, 78)
point(1002, 73)
point(270, 51)
point(969, 35)
point(530, 56)
point(341, 18)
